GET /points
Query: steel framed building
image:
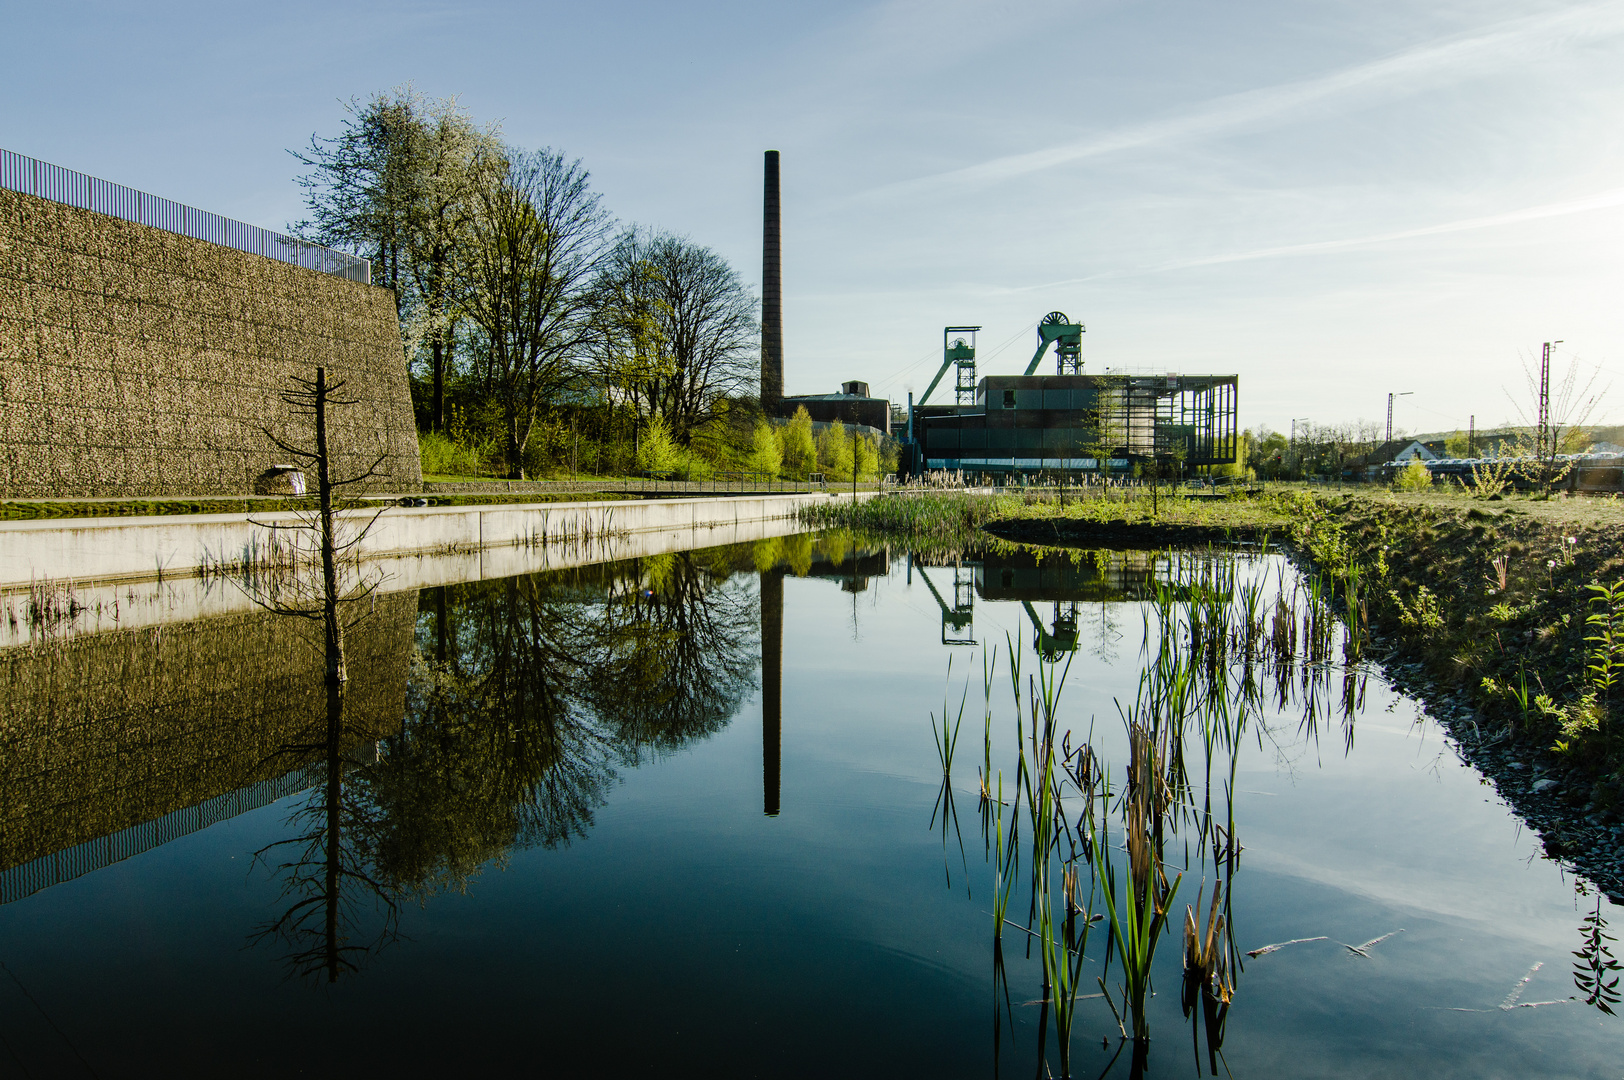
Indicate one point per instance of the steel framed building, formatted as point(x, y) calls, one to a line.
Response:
point(1045, 423)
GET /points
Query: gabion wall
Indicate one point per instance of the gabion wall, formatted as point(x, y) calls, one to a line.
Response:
point(136, 362)
point(105, 731)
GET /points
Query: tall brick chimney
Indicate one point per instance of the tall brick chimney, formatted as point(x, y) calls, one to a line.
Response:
point(772, 291)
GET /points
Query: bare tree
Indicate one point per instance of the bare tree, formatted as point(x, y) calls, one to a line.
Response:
point(701, 346)
point(534, 243)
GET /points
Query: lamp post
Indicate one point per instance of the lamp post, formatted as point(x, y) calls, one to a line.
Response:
point(1390, 398)
point(854, 437)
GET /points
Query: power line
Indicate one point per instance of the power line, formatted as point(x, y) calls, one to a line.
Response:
point(891, 379)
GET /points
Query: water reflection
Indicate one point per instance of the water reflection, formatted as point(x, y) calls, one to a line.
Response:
point(338, 912)
point(519, 722)
point(772, 686)
point(1225, 649)
point(527, 695)
point(1595, 972)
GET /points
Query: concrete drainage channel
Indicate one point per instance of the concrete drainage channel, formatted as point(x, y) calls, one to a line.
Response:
point(106, 550)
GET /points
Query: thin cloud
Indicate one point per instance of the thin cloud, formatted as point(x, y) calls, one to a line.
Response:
point(1402, 74)
point(1599, 201)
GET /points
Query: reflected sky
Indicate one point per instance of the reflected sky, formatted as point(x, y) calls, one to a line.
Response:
point(575, 817)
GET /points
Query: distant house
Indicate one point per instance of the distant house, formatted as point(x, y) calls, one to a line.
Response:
point(1400, 450)
point(1412, 449)
point(1385, 455)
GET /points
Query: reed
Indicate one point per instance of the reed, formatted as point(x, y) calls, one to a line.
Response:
point(1216, 626)
point(947, 740)
point(989, 669)
point(1138, 912)
point(1208, 978)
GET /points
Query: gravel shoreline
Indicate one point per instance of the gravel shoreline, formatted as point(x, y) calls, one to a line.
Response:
point(1557, 802)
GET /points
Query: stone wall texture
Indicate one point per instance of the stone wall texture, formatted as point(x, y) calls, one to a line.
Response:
point(137, 362)
point(106, 731)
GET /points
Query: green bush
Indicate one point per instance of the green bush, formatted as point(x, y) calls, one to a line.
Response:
point(657, 452)
point(1413, 477)
point(443, 456)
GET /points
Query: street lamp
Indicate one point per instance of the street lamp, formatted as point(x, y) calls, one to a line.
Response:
point(1293, 444)
point(1390, 398)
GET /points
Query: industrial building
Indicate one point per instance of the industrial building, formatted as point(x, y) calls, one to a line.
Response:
point(852, 405)
point(1068, 421)
point(1012, 424)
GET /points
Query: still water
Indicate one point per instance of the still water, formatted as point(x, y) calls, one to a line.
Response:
point(686, 814)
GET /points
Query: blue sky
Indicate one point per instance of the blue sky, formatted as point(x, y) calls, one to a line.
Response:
point(1332, 199)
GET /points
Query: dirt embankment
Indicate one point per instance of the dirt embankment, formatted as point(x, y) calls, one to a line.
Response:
point(1502, 616)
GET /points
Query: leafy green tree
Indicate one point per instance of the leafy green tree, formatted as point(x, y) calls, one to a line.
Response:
point(765, 454)
point(658, 452)
point(867, 458)
point(835, 451)
point(1267, 455)
point(799, 454)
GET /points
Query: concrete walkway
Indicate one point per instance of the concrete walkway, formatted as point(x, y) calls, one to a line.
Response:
point(109, 550)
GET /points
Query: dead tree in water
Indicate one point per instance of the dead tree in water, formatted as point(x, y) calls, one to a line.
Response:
point(323, 915)
point(293, 595)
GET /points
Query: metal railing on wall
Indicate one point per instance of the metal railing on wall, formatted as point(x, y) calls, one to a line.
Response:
point(31, 176)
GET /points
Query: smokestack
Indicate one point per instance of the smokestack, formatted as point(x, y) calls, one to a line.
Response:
point(772, 291)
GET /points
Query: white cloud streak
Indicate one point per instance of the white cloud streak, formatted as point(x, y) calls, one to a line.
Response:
point(1400, 75)
point(1599, 201)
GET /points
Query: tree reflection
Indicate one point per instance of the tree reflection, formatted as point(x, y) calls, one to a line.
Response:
point(539, 687)
point(338, 911)
point(525, 697)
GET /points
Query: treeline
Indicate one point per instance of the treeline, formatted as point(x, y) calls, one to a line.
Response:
point(1331, 450)
point(542, 335)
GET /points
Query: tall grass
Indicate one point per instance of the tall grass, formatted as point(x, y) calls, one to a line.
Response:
point(443, 456)
point(940, 517)
point(1224, 633)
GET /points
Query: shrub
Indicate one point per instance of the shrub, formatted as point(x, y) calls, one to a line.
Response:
point(443, 456)
point(1413, 477)
point(656, 451)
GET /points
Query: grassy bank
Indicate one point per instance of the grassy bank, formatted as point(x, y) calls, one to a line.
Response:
point(1518, 605)
point(1052, 518)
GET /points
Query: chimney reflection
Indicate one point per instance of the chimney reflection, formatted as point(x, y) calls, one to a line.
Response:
point(772, 686)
